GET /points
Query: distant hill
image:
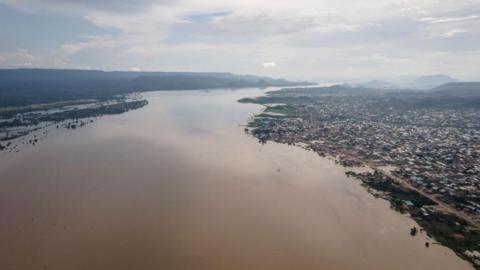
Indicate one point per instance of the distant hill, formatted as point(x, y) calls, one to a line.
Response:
point(409, 82)
point(455, 95)
point(31, 86)
point(459, 95)
point(458, 89)
point(429, 82)
point(377, 84)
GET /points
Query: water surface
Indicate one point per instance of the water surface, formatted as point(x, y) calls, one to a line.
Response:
point(179, 185)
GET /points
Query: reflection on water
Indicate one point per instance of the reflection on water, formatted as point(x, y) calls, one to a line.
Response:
point(178, 185)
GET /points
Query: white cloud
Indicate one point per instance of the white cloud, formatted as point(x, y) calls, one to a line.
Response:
point(92, 42)
point(449, 19)
point(453, 32)
point(269, 65)
point(23, 58)
point(309, 37)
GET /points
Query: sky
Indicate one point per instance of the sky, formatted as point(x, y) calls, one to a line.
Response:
point(319, 40)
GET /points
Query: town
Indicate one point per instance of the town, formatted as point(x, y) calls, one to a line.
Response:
point(430, 154)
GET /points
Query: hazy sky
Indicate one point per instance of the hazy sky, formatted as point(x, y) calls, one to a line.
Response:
point(295, 39)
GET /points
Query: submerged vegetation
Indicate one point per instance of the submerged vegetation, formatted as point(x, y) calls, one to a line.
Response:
point(447, 229)
point(17, 122)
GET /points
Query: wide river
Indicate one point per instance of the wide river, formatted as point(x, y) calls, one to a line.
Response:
point(179, 185)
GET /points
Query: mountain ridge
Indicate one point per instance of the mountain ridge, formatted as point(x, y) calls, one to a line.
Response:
point(32, 86)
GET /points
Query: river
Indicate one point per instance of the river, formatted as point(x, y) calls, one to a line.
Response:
point(179, 185)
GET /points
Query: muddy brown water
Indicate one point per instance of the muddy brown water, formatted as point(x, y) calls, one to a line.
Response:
point(179, 185)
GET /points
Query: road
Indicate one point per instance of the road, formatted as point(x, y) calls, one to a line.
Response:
point(441, 205)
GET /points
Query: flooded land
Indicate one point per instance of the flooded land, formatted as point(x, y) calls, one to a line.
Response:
point(28, 124)
point(177, 184)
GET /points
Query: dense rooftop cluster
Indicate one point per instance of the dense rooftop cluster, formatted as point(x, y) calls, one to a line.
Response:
point(436, 149)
